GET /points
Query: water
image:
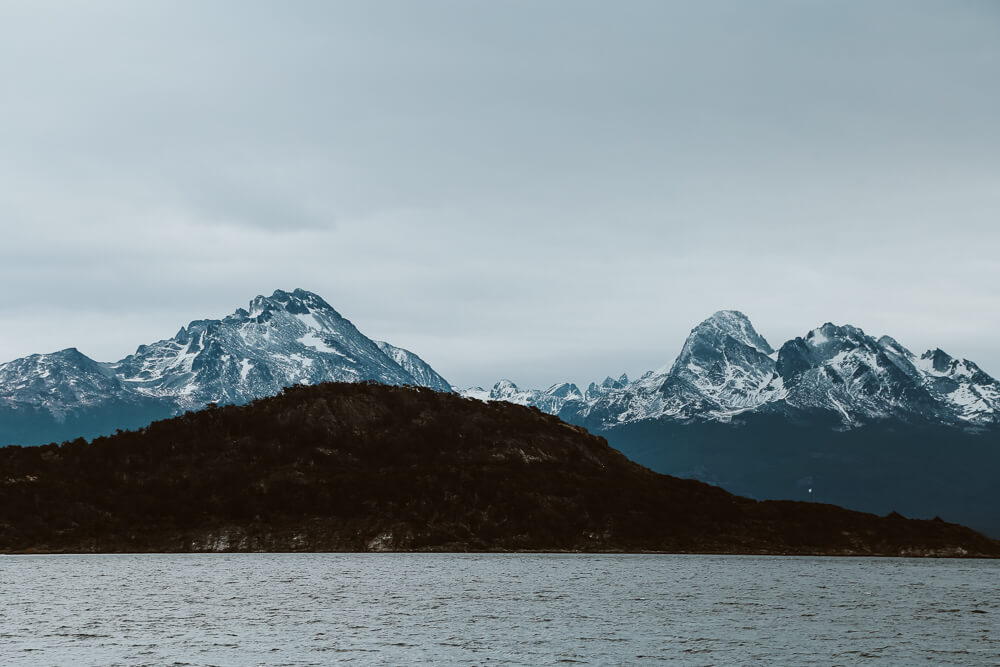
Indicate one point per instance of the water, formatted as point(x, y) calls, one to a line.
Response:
point(317, 609)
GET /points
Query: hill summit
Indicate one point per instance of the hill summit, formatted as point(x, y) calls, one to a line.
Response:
point(369, 467)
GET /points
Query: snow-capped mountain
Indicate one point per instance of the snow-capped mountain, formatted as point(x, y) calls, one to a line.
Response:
point(609, 384)
point(961, 384)
point(550, 400)
point(726, 369)
point(60, 384)
point(841, 368)
point(285, 339)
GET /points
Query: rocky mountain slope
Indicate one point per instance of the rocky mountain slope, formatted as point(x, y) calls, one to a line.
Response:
point(374, 467)
point(421, 372)
point(285, 339)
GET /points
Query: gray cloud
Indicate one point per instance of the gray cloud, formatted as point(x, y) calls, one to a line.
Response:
point(543, 191)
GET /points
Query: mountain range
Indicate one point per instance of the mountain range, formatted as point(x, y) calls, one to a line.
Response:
point(836, 416)
point(286, 339)
point(727, 371)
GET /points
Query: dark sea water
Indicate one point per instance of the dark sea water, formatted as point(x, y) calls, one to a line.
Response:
point(405, 609)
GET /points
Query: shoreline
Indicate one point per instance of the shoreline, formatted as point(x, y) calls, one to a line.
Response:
point(538, 552)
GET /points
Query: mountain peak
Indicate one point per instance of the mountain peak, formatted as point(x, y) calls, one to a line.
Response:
point(728, 324)
point(725, 367)
point(729, 316)
point(296, 302)
point(301, 296)
point(611, 383)
point(565, 390)
point(893, 345)
point(832, 332)
point(939, 359)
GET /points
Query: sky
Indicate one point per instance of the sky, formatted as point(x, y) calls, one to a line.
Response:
point(540, 191)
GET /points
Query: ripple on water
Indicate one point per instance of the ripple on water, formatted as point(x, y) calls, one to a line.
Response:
point(309, 609)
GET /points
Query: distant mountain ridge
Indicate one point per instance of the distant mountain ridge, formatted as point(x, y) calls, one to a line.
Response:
point(286, 339)
point(726, 370)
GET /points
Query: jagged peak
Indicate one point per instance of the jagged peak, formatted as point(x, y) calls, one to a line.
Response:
point(610, 383)
point(826, 342)
point(939, 359)
point(238, 315)
point(564, 390)
point(833, 332)
point(196, 327)
point(298, 301)
point(728, 316)
point(302, 297)
point(891, 344)
point(730, 324)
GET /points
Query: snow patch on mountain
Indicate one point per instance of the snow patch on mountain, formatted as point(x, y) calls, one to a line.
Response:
point(419, 370)
point(550, 400)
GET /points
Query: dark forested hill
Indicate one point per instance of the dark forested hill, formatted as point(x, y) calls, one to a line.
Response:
point(373, 467)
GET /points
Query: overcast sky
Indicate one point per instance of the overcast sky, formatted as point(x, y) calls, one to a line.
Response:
point(542, 191)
